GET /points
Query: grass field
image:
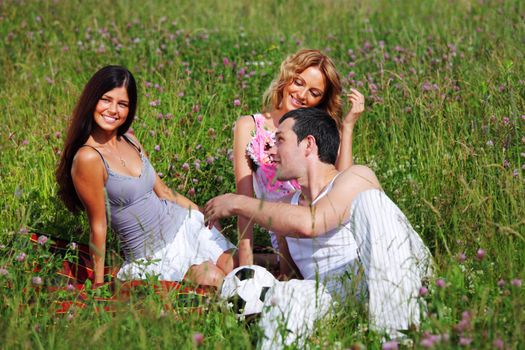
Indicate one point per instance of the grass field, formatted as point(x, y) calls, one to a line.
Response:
point(444, 131)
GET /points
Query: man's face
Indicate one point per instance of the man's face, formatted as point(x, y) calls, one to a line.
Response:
point(286, 153)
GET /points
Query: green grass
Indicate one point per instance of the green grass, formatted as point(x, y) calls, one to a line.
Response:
point(446, 75)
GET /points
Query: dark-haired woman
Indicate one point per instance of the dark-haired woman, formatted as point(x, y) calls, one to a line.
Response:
point(161, 232)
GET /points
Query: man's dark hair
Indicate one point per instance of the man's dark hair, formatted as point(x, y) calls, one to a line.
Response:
point(319, 124)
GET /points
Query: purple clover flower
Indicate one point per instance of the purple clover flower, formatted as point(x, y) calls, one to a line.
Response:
point(498, 344)
point(21, 257)
point(42, 240)
point(465, 341)
point(390, 345)
point(198, 338)
point(441, 283)
point(480, 254)
point(516, 282)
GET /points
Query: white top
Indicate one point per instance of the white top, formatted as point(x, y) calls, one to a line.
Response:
point(327, 255)
point(378, 239)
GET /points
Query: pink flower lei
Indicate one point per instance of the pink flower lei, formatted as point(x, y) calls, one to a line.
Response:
point(259, 146)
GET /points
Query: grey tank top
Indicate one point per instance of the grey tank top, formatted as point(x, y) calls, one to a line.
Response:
point(143, 222)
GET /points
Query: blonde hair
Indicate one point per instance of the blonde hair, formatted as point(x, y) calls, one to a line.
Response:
point(294, 65)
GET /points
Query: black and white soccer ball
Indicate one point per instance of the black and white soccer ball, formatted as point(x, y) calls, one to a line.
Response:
point(245, 289)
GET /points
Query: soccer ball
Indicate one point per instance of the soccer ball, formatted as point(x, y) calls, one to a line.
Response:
point(245, 288)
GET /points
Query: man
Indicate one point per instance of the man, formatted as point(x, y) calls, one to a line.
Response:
point(339, 223)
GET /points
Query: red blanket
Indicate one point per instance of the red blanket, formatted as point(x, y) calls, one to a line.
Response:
point(77, 290)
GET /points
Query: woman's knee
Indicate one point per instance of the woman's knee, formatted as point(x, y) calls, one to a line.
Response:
point(206, 274)
point(227, 261)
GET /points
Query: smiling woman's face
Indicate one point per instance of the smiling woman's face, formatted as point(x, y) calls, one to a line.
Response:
point(305, 90)
point(112, 109)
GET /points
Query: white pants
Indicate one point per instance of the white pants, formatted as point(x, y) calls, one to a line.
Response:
point(394, 259)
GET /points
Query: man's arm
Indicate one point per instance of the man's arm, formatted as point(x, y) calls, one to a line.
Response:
point(298, 221)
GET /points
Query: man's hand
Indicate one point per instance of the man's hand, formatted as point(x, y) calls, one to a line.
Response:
point(358, 106)
point(219, 207)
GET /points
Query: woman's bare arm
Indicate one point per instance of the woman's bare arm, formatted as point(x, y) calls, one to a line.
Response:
point(344, 158)
point(164, 192)
point(89, 176)
point(243, 184)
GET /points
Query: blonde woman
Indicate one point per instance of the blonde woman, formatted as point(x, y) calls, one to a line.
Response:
point(307, 78)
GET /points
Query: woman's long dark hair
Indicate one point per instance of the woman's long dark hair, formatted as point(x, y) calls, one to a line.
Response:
point(81, 126)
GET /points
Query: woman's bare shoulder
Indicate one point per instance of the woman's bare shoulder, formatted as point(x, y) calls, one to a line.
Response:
point(244, 125)
point(86, 159)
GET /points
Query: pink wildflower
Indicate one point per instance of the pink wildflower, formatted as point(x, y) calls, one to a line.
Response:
point(427, 343)
point(37, 281)
point(390, 345)
point(236, 102)
point(441, 283)
point(198, 338)
point(423, 291)
point(480, 254)
point(21, 257)
point(157, 148)
point(516, 282)
point(464, 341)
point(42, 240)
point(498, 344)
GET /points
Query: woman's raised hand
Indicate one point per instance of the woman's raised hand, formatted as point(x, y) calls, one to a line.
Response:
point(358, 106)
